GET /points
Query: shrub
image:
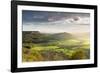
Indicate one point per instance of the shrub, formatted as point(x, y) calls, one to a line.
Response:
point(78, 54)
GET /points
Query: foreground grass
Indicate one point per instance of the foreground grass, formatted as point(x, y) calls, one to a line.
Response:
point(72, 49)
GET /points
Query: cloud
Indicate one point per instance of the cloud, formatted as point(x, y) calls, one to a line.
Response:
point(53, 22)
point(79, 21)
point(45, 16)
point(63, 25)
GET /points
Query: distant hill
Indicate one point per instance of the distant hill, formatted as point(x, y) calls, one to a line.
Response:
point(38, 37)
point(63, 35)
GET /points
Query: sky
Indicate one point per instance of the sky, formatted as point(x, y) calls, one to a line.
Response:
point(55, 22)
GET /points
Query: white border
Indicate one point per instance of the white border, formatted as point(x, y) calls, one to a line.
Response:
point(53, 63)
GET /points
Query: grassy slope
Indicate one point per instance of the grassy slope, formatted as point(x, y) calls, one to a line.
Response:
point(52, 47)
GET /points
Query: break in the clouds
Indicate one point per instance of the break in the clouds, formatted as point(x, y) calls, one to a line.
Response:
point(54, 22)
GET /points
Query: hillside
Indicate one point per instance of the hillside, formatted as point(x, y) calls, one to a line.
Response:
point(39, 46)
point(31, 36)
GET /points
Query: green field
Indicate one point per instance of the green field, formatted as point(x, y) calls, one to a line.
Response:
point(38, 46)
